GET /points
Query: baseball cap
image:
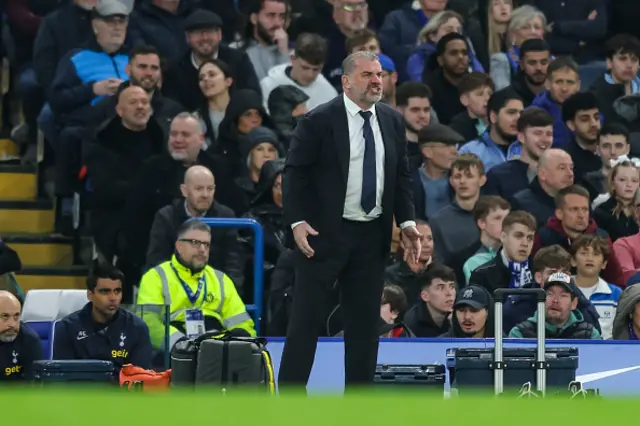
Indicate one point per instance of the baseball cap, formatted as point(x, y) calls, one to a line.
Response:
point(386, 62)
point(437, 132)
point(201, 19)
point(107, 8)
point(473, 296)
point(561, 279)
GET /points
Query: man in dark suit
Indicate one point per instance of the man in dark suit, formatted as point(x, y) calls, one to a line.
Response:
point(345, 178)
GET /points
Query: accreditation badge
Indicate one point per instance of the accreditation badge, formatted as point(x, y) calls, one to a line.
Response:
point(194, 320)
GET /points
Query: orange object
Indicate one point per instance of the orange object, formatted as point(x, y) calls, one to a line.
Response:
point(136, 378)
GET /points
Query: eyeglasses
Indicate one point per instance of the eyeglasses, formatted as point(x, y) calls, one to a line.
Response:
point(351, 7)
point(196, 243)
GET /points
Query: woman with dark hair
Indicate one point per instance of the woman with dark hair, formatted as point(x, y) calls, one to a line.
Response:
point(214, 79)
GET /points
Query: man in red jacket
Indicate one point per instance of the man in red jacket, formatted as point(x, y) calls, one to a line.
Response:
point(572, 220)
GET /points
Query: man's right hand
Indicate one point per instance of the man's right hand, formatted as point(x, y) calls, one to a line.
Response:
point(300, 233)
point(107, 87)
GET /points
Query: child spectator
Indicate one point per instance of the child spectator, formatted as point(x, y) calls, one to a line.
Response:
point(392, 308)
point(589, 255)
point(616, 215)
point(475, 90)
point(626, 325)
point(489, 212)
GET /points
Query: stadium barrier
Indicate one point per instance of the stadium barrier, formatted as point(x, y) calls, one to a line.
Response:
point(258, 260)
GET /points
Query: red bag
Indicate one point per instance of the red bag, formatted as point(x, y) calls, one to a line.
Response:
point(133, 377)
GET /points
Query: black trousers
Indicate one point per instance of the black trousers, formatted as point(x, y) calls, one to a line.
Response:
point(357, 262)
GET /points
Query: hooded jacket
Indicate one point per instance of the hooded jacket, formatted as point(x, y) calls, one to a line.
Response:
point(489, 327)
point(281, 103)
point(418, 319)
point(575, 328)
point(268, 214)
point(319, 91)
point(228, 144)
point(561, 133)
point(553, 233)
point(626, 305)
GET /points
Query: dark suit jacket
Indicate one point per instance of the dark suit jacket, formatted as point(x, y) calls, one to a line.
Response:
point(317, 167)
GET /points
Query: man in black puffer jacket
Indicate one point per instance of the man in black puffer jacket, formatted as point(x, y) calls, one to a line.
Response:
point(563, 320)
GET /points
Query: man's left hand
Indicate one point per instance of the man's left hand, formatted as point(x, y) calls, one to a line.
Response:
point(411, 243)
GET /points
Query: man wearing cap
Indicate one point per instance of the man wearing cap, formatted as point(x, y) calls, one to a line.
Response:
point(563, 320)
point(204, 37)
point(431, 190)
point(389, 79)
point(472, 314)
point(304, 72)
point(160, 23)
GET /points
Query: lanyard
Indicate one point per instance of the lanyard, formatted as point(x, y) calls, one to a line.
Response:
point(632, 334)
point(193, 297)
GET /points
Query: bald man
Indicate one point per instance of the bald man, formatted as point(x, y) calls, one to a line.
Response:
point(555, 172)
point(198, 190)
point(114, 159)
point(19, 344)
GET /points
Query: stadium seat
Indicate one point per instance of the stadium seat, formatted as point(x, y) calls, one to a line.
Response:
point(43, 308)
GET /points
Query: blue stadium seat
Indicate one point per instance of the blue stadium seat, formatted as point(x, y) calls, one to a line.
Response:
point(43, 308)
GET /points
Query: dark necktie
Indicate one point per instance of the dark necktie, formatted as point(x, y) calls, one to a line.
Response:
point(368, 199)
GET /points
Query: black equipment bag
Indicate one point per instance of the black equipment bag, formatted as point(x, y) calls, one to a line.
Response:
point(414, 376)
point(74, 371)
point(513, 368)
point(222, 360)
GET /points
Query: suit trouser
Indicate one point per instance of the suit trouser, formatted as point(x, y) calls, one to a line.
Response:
point(357, 261)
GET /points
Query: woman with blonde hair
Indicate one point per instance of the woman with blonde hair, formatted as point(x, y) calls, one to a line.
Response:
point(442, 23)
point(526, 23)
point(616, 215)
point(498, 17)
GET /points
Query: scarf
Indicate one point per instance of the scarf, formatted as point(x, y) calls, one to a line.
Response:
point(520, 274)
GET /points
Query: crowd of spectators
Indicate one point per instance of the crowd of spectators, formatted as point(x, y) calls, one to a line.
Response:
point(521, 122)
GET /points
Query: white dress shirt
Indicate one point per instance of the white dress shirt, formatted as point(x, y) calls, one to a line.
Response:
point(352, 207)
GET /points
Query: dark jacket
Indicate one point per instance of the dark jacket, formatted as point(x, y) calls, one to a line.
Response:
point(158, 184)
point(419, 320)
point(164, 110)
point(616, 226)
point(494, 275)
point(519, 85)
point(518, 308)
point(410, 282)
point(584, 161)
point(507, 179)
point(446, 98)
point(553, 233)
point(225, 254)
point(123, 340)
point(17, 357)
point(268, 214)
point(229, 140)
point(61, 31)
point(9, 259)
point(180, 82)
point(280, 297)
point(162, 29)
point(573, 34)
point(607, 93)
point(465, 126)
point(282, 100)
point(71, 92)
point(489, 327)
point(535, 201)
point(113, 166)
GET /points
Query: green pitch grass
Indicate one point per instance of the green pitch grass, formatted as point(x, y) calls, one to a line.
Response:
point(92, 407)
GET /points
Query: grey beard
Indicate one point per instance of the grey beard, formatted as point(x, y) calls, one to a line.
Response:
point(7, 339)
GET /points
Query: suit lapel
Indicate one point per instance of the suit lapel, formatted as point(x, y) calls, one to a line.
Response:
point(341, 136)
point(386, 128)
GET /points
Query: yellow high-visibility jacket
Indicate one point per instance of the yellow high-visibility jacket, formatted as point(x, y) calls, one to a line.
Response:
point(161, 286)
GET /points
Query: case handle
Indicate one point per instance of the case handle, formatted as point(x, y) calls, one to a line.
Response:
point(501, 294)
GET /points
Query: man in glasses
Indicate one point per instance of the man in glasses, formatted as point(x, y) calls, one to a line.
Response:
point(201, 299)
point(198, 189)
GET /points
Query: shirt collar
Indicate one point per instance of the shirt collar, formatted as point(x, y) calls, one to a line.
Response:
point(195, 64)
point(354, 109)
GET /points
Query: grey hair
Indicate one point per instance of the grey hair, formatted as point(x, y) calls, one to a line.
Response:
point(349, 64)
point(193, 225)
point(434, 24)
point(522, 16)
point(187, 115)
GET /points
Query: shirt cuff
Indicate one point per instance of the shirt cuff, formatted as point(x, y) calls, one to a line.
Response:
point(293, 225)
point(407, 223)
